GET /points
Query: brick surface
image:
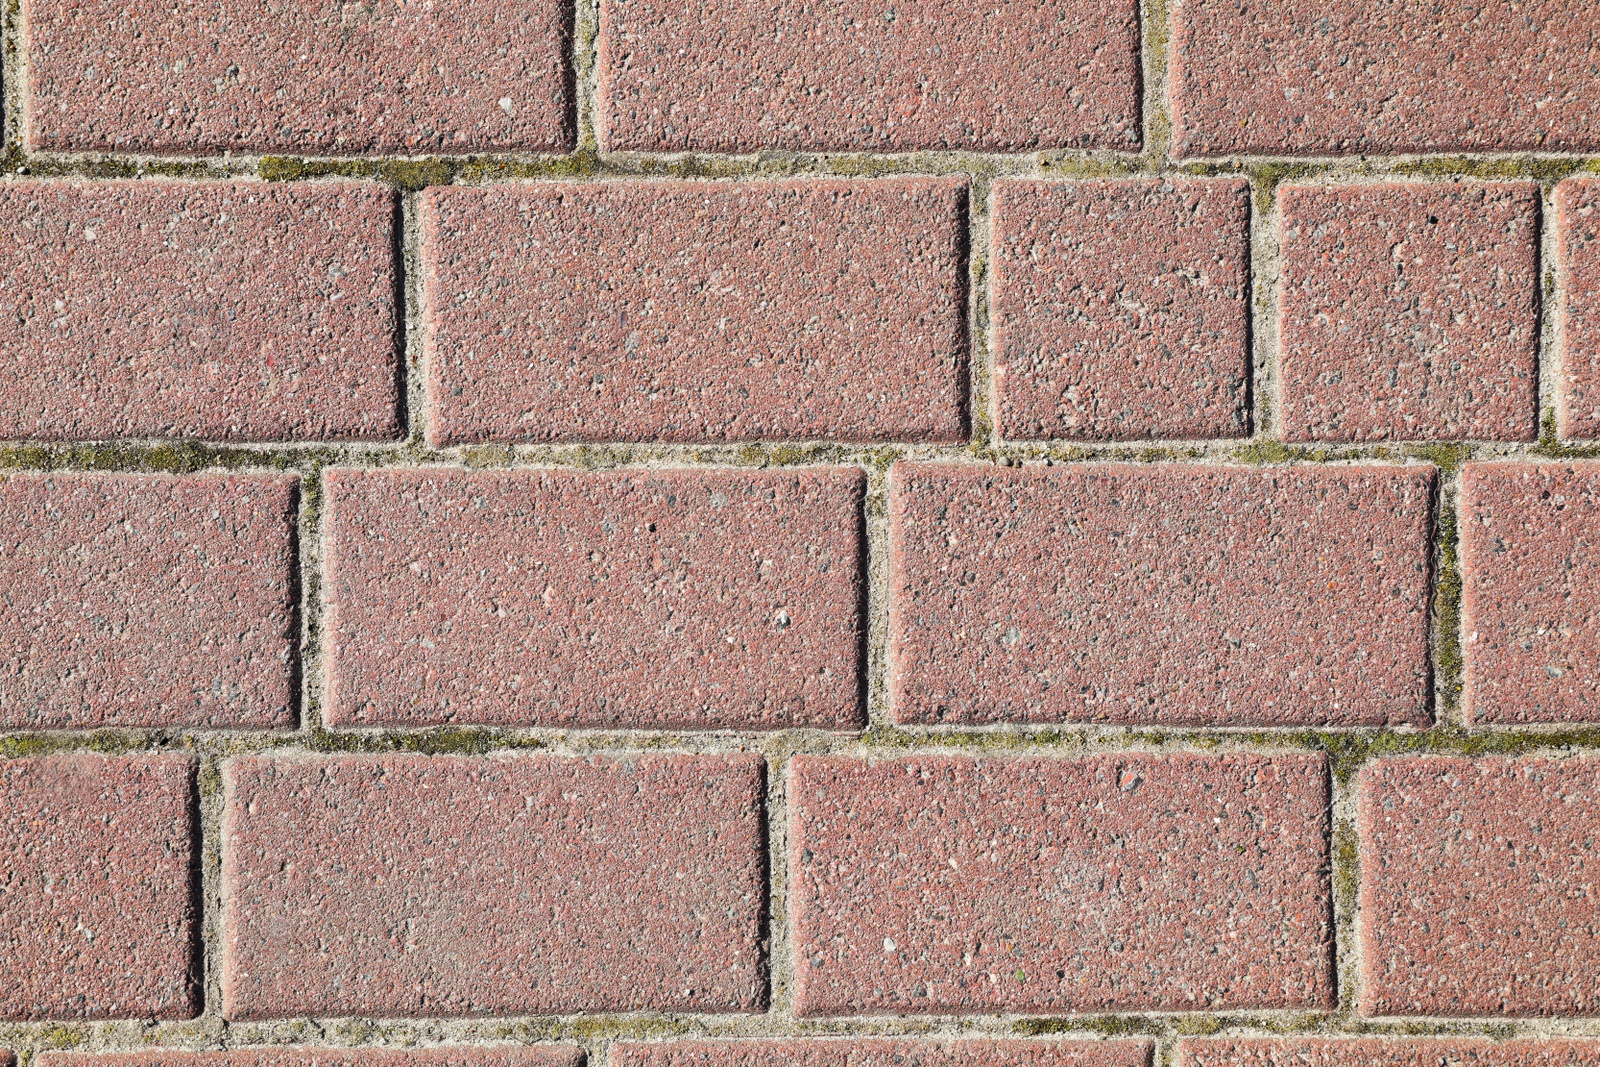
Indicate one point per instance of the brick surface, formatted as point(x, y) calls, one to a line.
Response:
point(97, 907)
point(697, 311)
point(883, 1053)
point(1120, 308)
point(1383, 76)
point(147, 600)
point(728, 76)
point(1176, 594)
point(1480, 887)
point(369, 76)
point(1530, 560)
point(1385, 1052)
point(638, 599)
point(1120, 883)
point(1409, 311)
point(228, 311)
point(1578, 260)
point(438, 886)
point(278, 1056)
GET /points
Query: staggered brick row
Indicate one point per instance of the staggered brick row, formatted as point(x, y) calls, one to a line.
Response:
point(406, 886)
point(1177, 594)
point(816, 309)
point(1345, 78)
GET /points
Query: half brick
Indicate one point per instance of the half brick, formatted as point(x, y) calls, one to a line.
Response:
point(223, 311)
point(99, 916)
point(148, 600)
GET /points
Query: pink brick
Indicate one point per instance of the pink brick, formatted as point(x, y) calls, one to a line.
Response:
point(645, 598)
point(229, 311)
point(697, 311)
point(366, 77)
point(1480, 887)
point(147, 600)
point(1133, 882)
point(1176, 594)
point(1530, 559)
point(728, 76)
point(444, 886)
point(316, 1056)
point(1385, 1052)
point(1578, 260)
point(1383, 76)
point(1121, 308)
point(883, 1053)
point(97, 896)
point(1409, 311)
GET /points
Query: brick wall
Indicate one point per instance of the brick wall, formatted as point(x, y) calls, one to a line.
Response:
point(852, 535)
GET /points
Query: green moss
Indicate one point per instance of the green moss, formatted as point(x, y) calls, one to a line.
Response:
point(63, 1037)
point(1550, 446)
point(176, 458)
point(1525, 168)
point(406, 174)
point(1448, 456)
point(1104, 1025)
point(1268, 176)
point(1346, 866)
point(584, 163)
point(1446, 619)
point(1097, 166)
point(443, 741)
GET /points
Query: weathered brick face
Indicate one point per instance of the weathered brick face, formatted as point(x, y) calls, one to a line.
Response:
point(911, 533)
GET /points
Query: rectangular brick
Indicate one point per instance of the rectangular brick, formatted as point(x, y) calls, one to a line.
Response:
point(1361, 77)
point(1578, 261)
point(882, 1053)
point(440, 886)
point(697, 311)
point(1409, 311)
point(366, 77)
point(1121, 308)
point(147, 600)
point(98, 875)
point(1177, 594)
point(1385, 1052)
point(1530, 561)
point(641, 599)
point(1133, 882)
point(314, 1056)
point(227, 311)
point(1480, 887)
point(729, 76)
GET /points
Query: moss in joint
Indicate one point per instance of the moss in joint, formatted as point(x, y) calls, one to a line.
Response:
point(1103, 1025)
point(177, 458)
point(405, 174)
point(1268, 176)
point(444, 741)
point(1543, 171)
point(1550, 446)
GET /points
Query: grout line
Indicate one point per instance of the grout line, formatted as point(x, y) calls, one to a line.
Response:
point(876, 636)
point(1266, 268)
point(585, 65)
point(1551, 290)
point(1345, 875)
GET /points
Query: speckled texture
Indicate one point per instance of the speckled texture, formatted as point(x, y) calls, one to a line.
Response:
point(1409, 311)
point(353, 78)
point(1530, 558)
point(147, 600)
point(1383, 77)
point(408, 886)
point(1120, 308)
point(1577, 226)
point(935, 885)
point(883, 1053)
point(278, 1056)
point(646, 599)
point(97, 911)
point(1480, 887)
point(697, 311)
point(1179, 594)
point(1385, 1052)
point(728, 76)
point(226, 311)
